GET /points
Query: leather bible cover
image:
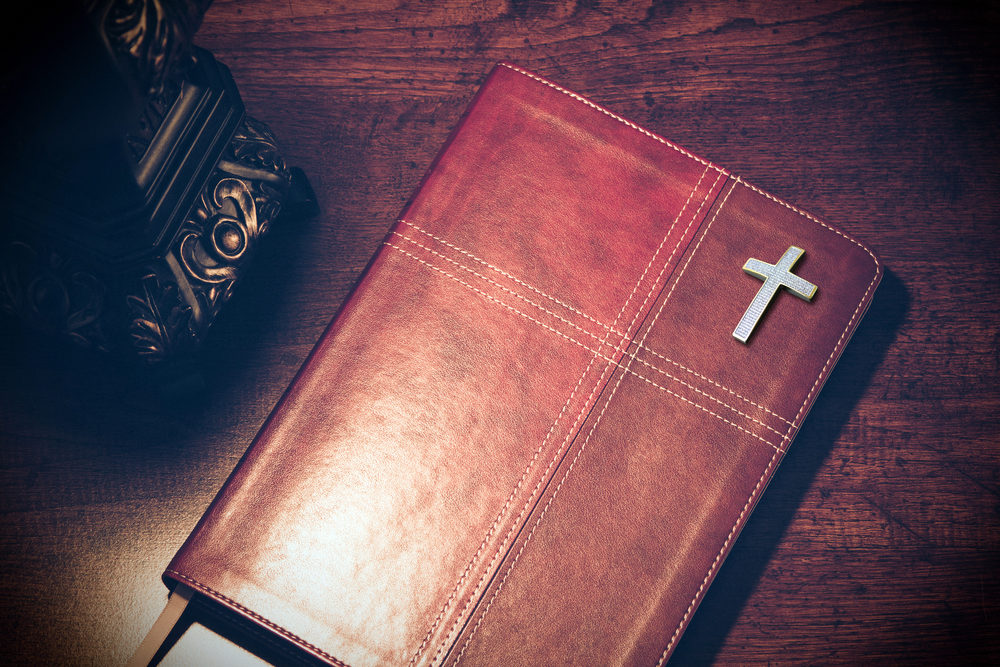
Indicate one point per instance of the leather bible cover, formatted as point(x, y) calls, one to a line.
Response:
point(529, 434)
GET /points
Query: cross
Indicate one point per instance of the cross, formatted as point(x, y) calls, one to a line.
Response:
point(775, 276)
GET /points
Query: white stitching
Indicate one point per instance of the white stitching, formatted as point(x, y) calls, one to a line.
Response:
point(207, 590)
point(641, 344)
point(558, 451)
point(582, 314)
point(611, 114)
point(810, 217)
point(503, 509)
point(701, 407)
point(508, 275)
point(792, 427)
point(505, 289)
point(555, 492)
point(601, 355)
point(608, 402)
point(696, 246)
point(572, 430)
point(491, 297)
point(594, 336)
point(711, 381)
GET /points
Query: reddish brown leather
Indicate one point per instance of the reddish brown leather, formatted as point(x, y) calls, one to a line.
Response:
point(529, 436)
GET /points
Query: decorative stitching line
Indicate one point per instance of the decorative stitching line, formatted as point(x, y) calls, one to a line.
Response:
point(594, 336)
point(503, 510)
point(695, 250)
point(699, 391)
point(641, 344)
point(710, 381)
point(677, 148)
point(257, 617)
point(611, 114)
point(580, 451)
point(627, 370)
point(664, 303)
point(701, 407)
point(792, 427)
point(584, 315)
point(508, 275)
point(505, 289)
point(492, 298)
point(601, 355)
point(810, 217)
point(572, 429)
point(270, 639)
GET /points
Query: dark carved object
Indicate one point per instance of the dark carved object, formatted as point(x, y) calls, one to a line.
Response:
point(137, 189)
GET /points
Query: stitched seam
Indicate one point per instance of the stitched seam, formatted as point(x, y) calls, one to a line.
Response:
point(810, 217)
point(508, 275)
point(788, 434)
point(629, 123)
point(494, 299)
point(572, 429)
point(657, 317)
point(583, 409)
point(667, 298)
point(711, 381)
point(597, 421)
point(592, 335)
point(601, 355)
point(579, 312)
point(531, 534)
point(505, 289)
point(696, 246)
point(503, 511)
point(527, 503)
point(641, 344)
point(701, 407)
point(576, 457)
point(708, 396)
point(574, 310)
point(257, 617)
point(270, 639)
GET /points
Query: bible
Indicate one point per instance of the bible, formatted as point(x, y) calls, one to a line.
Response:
point(534, 429)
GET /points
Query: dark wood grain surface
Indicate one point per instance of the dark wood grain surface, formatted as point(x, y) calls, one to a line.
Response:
point(879, 538)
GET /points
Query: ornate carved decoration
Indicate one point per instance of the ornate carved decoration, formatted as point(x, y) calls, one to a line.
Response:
point(152, 37)
point(253, 145)
point(234, 210)
point(160, 326)
point(52, 293)
point(167, 306)
point(170, 238)
point(223, 228)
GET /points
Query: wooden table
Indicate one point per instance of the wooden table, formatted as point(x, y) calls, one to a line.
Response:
point(880, 536)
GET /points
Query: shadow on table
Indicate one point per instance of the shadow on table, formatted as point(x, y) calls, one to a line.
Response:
point(749, 557)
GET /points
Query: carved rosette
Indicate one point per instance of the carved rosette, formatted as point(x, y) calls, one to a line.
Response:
point(152, 278)
point(169, 303)
point(220, 234)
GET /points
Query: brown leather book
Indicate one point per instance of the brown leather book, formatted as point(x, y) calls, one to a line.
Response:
point(533, 431)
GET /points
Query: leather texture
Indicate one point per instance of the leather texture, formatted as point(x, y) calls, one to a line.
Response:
point(529, 436)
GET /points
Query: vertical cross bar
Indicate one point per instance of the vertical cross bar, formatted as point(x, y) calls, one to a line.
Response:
point(775, 276)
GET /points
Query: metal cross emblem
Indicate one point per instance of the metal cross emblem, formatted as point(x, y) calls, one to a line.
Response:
point(775, 276)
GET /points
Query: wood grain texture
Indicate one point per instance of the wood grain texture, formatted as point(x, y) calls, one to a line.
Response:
point(879, 539)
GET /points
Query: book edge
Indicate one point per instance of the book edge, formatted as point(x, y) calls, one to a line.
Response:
point(793, 428)
point(172, 577)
